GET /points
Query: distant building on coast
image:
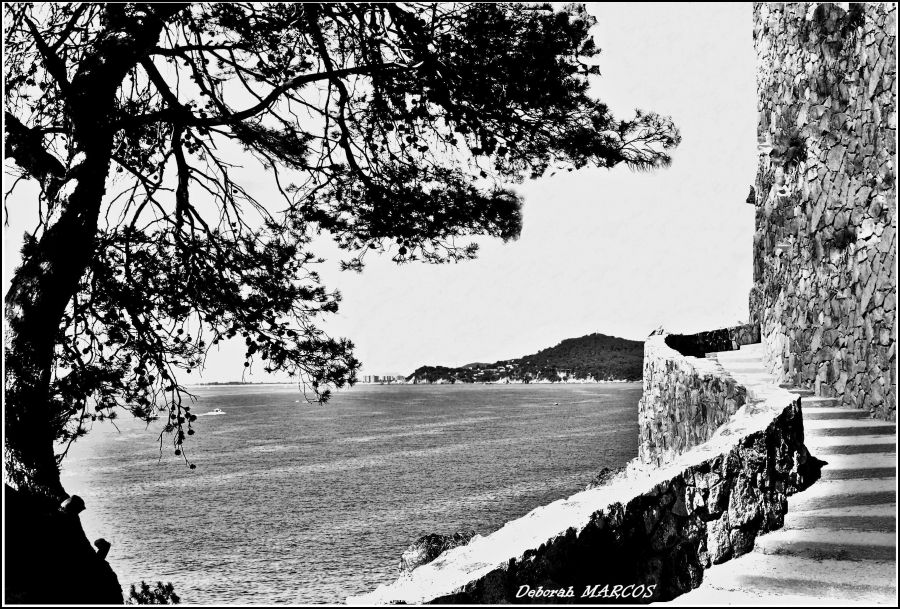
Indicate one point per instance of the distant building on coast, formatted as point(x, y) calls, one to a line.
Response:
point(382, 379)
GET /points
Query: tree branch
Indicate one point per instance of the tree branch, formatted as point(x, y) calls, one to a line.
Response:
point(160, 83)
point(175, 115)
point(67, 31)
point(26, 147)
point(55, 66)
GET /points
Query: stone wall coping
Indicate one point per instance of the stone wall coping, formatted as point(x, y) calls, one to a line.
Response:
point(711, 341)
point(455, 568)
point(656, 348)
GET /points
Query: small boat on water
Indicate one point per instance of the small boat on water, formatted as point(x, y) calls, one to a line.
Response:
point(211, 413)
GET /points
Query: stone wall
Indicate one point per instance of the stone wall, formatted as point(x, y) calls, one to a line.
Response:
point(686, 397)
point(655, 538)
point(824, 252)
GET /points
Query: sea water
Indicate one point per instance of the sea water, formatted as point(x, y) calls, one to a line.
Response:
point(298, 503)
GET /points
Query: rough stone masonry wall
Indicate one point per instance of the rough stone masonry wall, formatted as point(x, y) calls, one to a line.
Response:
point(826, 206)
point(686, 398)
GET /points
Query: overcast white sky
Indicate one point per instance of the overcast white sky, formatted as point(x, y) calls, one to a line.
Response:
point(615, 251)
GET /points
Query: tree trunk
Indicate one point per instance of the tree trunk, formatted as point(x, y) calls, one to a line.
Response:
point(47, 280)
point(40, 291)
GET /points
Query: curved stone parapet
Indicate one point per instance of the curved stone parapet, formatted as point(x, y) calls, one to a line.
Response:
point(646, 535)
point(687, 396)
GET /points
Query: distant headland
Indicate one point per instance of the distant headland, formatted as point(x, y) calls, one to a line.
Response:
point(589, 359)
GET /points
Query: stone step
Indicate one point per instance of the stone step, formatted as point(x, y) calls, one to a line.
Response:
point(849, 474)
point(737, 358)
point(751, 348)
point(821, 400)
point(830, 494)
point(752, 365)
point(747, 365)
point(814, 413)
point(848, 445)
point(758, 390)
point(827, 543)
point(750, 597)
point(815, 401)
point(887, 426)
point(762, 597)
point(860, 462)
point(871, 465)
point(747, 368)
point(754, 348)
point(876, 517)
point(803, 520)
point(848, 427)
point(847, 431)
point(877, 509)
point(845, 486)
point(777, 580)
point(739, 368)
point(752, 378)
point(741, 361)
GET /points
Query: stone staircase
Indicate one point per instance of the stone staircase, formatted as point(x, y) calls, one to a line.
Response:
point(838, 544)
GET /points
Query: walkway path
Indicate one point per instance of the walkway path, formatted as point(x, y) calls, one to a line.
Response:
point(838, 544)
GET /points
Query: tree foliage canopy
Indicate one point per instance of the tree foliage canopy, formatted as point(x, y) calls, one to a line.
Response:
point(395, 128)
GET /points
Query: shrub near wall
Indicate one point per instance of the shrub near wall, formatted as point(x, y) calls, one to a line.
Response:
point(825, 195)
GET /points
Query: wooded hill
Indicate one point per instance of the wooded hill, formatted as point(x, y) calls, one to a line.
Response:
point(595, 356)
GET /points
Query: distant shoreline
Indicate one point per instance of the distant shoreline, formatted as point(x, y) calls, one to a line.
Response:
point(402, 384)
point(519, 382)
point(239, 383)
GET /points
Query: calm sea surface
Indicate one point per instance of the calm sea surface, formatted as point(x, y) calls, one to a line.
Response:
point(294, 503)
